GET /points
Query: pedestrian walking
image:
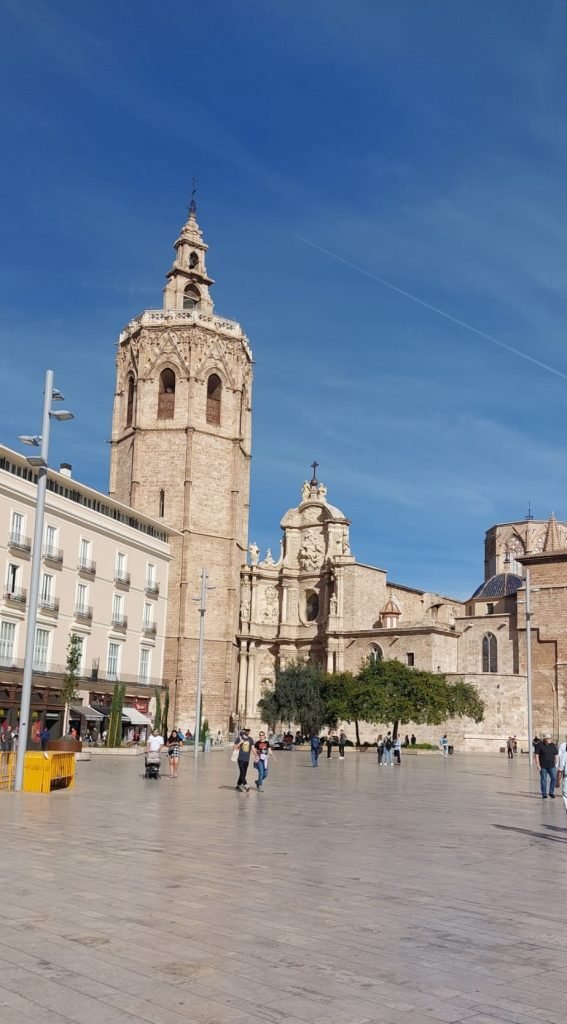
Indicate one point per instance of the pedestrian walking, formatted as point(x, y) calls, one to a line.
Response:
point(244, 745)
point(316, 750)
point(173, 753)
point(263, 753)
point(342, 744)
point(546, 756)
point(510, 748)
point(562, 772)
point(44, 738)
point(329, 742)
point(413, 740)
point(388, 752)
point(444, 745)
point(398, 750)
point(380, 748)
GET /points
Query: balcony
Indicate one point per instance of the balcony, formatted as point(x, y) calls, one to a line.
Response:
point(86, 567)
point(119, 621)
point(83, 613)
point(53, 555)
point(93, 680)
point(18, 542)
point(122, 578)
point(152, 588)
point(16, 596)
point(49, 604)
point(149, 629)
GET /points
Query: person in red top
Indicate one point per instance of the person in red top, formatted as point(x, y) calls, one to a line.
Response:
point(263, 752)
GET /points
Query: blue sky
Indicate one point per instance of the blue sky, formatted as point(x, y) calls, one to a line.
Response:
point(422, 141)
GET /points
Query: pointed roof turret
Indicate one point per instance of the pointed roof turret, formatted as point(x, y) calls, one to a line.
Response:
point(552, 538)
point(188, 282)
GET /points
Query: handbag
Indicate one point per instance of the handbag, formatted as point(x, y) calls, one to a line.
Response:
point(234, 755)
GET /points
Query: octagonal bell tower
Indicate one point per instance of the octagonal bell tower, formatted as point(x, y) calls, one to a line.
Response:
point(181, 449)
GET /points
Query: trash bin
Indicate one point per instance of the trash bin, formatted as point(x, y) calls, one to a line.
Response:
point(450, 749)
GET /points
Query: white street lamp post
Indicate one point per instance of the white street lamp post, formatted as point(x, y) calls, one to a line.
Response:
point(529, 664)
point(51, 394)
point(200, 656)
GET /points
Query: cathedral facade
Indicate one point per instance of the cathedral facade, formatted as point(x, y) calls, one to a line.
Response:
point(317, 601)
point(180, 451)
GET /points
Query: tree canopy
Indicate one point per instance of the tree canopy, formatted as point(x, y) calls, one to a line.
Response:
point(382, 692)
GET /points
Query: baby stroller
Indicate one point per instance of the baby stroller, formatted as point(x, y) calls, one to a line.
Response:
point(152, 765)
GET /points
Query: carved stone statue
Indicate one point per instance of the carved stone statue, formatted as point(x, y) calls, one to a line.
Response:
point(345, 544)
point(333, 605)
point(268, 559)
point(245, 606)
point(311, 552)
point(270, 606)
point(254, 553)
point(322, 492)
point(305, 491)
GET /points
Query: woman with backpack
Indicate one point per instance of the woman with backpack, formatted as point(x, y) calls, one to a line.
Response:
point(315, 749)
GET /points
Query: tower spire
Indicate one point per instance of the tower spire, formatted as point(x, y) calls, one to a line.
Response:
point(188, 282)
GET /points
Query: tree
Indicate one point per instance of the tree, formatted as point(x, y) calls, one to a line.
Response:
point(165, 714)
point(114, 735)
point(391, 692)
point(342, 694)
point(72, 666)
point(157, 716)
point(296, 697)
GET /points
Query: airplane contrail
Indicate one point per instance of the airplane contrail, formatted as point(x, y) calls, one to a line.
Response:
point(435, 309)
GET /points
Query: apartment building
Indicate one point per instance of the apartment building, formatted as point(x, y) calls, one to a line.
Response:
point(104, 579)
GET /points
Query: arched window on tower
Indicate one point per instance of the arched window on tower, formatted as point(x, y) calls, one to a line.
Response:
point(166, 396)
point(191, 297)
point(489, 653)
point(214, 397)
point(193, 260)
point(130, 400)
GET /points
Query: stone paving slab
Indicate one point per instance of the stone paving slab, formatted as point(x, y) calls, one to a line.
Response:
point(349, 893)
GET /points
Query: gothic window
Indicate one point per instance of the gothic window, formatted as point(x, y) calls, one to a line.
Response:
point(311, 607)
point(191, 297)
point(214, 395)
point(193, 260)
point(489, 653)
point(166, 397)
point(161, 504)
point(376, 653)
point(130, 401)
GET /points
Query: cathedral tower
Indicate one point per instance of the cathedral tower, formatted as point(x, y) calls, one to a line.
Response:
point(181, 444)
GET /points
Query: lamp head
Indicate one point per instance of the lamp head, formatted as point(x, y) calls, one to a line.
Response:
point(62, 414)
point(57, 396)
point(31, 439)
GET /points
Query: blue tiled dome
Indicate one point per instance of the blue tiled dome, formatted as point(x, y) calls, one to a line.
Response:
point(505, 584)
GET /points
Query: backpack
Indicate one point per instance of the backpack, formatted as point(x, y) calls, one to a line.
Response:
point(388, 744)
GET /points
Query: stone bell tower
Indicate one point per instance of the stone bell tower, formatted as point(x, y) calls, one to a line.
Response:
point(181, 448)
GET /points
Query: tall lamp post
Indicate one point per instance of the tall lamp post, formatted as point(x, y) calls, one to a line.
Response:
point(202, 599)
point(529, 663)
point(40, 461)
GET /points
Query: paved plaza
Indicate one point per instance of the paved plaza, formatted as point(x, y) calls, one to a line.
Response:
point(431, 892)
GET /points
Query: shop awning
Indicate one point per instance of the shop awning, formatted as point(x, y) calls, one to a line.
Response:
point(86, 711)
point(135, 717)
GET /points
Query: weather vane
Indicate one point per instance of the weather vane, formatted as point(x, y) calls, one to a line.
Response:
point(529, 514)
point(193, 204)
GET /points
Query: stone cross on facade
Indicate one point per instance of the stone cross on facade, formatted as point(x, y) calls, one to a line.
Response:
point(314, 467)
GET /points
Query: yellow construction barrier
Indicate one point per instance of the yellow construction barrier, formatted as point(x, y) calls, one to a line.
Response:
point(43, 773)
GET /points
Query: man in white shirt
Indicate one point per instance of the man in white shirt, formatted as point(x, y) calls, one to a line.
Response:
point(562, 772)
point(155, 742)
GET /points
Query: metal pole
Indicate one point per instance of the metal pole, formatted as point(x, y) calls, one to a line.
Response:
point(529, 665)
point(202, 610)
point(34, 585)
